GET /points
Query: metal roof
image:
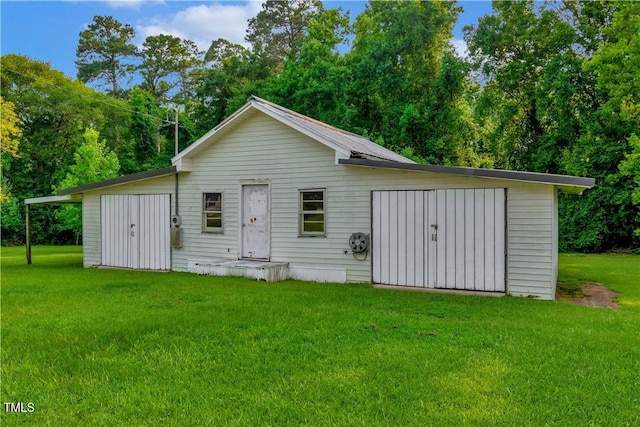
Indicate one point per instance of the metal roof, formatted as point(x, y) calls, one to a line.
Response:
point(346, 143)
point(54, 200)
point(574, 184)
point(357, 151)
point(354, 144)
point(119, 180)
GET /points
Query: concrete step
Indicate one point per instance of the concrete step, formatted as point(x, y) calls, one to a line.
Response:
point(259, 270)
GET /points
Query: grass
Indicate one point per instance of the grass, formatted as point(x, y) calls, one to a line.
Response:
point(114, 347)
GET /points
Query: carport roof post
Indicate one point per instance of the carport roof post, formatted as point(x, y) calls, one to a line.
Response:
point(51, 200)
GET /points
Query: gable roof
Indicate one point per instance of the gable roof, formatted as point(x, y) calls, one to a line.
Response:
point(346, 144)
point(351, 150)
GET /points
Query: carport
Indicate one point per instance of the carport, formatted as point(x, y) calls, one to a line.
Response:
point(49, 200)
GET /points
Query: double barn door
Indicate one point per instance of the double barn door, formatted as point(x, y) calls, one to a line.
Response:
point(135, 231)
point(452, 239)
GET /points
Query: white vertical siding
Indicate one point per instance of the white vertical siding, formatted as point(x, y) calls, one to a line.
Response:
point(460, 237)
point(154, 247)
point(115, 218)
point(135, 231)
point(446, 253)
point(91, 226)
point(554, 242)
point(421, 242)
point(500, 242)
point(479, 243)
point(92, 216)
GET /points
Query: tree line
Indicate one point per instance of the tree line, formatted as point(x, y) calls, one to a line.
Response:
point(546, 87)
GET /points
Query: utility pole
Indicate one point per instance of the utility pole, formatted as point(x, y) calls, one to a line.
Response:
point(176, 131)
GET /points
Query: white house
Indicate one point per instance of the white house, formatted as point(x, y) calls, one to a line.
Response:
point(313, 202)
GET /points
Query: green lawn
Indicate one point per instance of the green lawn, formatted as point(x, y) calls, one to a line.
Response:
point(113, 347)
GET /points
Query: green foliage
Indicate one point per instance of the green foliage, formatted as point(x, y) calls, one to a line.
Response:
point(276, 34)
point(230, 73)
point(560, 95)
point(548, 87)
point(13, 227)
point(314, 84)
point(93, 163)
point(406, 85)
point(54, 112)
point(145, 126)
point(166, 62)
point(524, 49)
point(607, 216)
point(10, 132)
point(102, 52)
point(630, 166)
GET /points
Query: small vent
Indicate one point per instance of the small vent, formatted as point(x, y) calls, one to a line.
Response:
point(176, 237)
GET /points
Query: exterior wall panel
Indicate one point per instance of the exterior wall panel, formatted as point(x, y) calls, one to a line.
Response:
point(457, 255)
point(92, 216)
point(263, 149)
point(530, 241)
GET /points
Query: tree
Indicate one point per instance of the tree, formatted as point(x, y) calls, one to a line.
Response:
point(10, 131)
point(277, 32)
point(406, 84)
point(230, 76)
point(93, 162)
point(54, 111)
point(608, 147)
point(222, 50)
point(524, 50)
point(166, 61)
point(10, 134)
point(630, 167)
point(102, 52)
point(145, 125)
point(558, 79)
point(313, 83)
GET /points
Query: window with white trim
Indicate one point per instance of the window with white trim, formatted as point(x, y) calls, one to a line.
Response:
point(212, 212)
point(312, 208)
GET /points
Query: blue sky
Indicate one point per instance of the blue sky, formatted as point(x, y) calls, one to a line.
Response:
point(48, 30)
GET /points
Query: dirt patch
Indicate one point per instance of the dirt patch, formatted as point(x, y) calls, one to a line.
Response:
point(592, 295)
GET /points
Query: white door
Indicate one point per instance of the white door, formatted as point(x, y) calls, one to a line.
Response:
point(440, 238)
point(255, 221)
point(135, 231)
point(154, 232)
point(115, 232)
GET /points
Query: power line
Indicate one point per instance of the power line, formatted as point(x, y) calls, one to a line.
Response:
point(89, 97)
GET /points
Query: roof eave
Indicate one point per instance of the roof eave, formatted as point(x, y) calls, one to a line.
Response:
point(126, 179)
point(54, 200)
point(570, 184)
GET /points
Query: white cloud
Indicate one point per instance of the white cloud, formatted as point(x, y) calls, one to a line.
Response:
point(130, 4)
point(461, 47)
point(204, 23)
